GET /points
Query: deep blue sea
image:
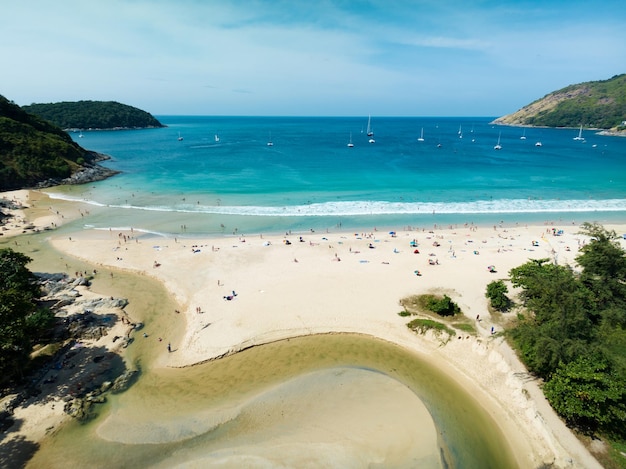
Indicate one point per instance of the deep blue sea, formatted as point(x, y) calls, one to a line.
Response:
point(223, 177)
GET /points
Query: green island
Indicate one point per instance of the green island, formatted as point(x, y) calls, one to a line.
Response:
point(101, 115)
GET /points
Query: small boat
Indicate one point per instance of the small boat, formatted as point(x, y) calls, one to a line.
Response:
point(371, 140)
point(421, 137)
point(460, 132)
point(217, 138)
point(523, 137)
point(498, 146)
point(179, 137)
point(538, 144)
point(350, 144)
point(580, 137)
point(370, 131)
point(269, 142)
point(80, 135)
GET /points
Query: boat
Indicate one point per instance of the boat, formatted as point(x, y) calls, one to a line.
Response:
point(269, 142)
point(370, 132)
point(371, 140)
point(538, 144)
point(498, 146)
point(179, 137)
point(421, 138)
point(80, 135)
point(350, 144)
point(523, 137)
point(580, 137)
point(217, 138)
point(460, 132)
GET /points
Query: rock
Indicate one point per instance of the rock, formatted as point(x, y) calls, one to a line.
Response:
point(124, 381)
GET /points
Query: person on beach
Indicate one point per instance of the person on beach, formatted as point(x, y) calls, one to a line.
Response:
point(169, 347)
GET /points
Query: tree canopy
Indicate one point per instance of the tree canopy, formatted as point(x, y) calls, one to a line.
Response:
point(21, 322)
point(33, 150)
point(93, 115)
point(575, 336)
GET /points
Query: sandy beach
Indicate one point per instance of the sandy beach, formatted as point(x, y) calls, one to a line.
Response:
point(241, 291)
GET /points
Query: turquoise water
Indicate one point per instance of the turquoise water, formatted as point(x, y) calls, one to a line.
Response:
point(310, 178)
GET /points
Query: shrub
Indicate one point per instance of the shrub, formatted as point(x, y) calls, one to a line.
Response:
point(496, 293)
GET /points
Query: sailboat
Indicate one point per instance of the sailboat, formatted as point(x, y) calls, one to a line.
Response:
point(421, 137)
point(217, 138)
point(269, 142)
point(523, 137)
point(350, 144)
point(80, 135)
point(580, 134)
point(370, 132)
point(179, 137)
point(498, 146)
point(460, 132)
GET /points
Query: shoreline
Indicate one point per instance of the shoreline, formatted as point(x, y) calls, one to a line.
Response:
point(277, 284)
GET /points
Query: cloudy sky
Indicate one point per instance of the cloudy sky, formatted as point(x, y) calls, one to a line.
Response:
point(313, 57)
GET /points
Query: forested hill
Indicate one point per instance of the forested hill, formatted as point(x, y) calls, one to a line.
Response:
point(34, 152)
point(93, 115)
point(593, 104)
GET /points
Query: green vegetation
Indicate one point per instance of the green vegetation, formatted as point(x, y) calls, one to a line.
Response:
point(594, 104)
point(424, 325)
point(22, 323)
point(443, 306)
point(496, 293)
point(33, 150)
point(93, 115)
point(574, 336)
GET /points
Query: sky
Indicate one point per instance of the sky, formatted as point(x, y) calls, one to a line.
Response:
point(307, 58)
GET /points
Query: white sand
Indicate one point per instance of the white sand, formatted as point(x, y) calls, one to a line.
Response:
point(338, 283)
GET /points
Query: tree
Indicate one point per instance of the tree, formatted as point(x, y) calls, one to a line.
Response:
point(496, 293)
point(589, 394)
point(20, 320)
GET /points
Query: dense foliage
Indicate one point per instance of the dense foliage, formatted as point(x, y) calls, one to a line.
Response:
point(93, 115)
point(33, 150)
point(596, 104)
point(496, 292)
point(443, 306)
point(21, 322)
point(575, 338)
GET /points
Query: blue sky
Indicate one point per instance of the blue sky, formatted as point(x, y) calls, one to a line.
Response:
point(320, 57)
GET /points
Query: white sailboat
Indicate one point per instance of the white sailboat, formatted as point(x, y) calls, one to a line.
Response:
point(80, 135)
point(523, 137)
point(498, 146)
point(580, 134)
point(421, 137)
point(370, 131)
point(538, 144)
point(350, 144)
point(180, 138)
point(217, 138)
point(460, 132)
point(269, 142)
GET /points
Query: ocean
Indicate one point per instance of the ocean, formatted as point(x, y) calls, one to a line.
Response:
point(212, 175)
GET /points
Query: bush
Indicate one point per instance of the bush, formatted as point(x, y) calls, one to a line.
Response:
point(443, 306)
point(496, 293)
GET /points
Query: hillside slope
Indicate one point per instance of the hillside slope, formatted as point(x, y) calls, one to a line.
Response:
point(593, 104)
point(34, 152)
